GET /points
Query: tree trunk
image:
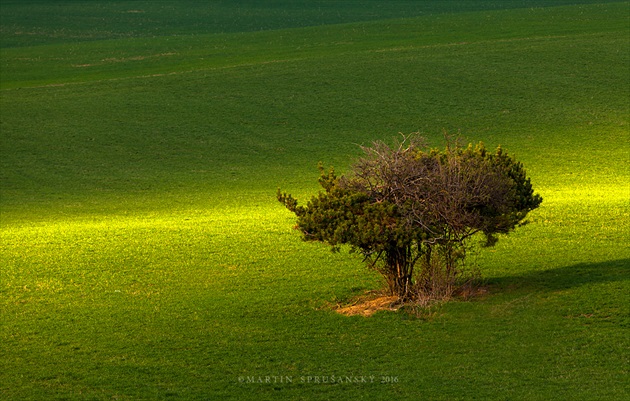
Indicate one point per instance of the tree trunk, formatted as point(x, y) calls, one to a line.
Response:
point(399, 271)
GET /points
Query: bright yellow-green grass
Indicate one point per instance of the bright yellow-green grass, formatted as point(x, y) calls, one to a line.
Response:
point(143, 255)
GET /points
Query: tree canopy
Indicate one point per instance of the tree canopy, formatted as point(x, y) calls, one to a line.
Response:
point(410, 210)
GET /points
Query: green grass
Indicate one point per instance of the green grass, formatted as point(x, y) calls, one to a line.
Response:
point(30, 22)
point(145, 257)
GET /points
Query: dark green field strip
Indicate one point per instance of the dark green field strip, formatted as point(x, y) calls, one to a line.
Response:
point(80, 62)
point(28, 23)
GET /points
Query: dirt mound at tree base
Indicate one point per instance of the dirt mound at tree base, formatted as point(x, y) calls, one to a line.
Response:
point(368, 307)
point(368, 304)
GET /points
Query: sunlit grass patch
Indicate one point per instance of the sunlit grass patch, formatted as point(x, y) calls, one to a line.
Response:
point(148, 255)
point(572, 227)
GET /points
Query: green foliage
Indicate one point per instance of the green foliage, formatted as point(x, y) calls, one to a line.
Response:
point(341, 216)
point(400, 205)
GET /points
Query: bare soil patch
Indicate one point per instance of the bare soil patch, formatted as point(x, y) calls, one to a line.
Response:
point(367, 307)
point(368, 304)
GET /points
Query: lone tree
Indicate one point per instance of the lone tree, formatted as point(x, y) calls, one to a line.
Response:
point(411, 210)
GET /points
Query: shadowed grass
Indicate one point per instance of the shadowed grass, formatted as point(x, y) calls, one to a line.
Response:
point(28, 23)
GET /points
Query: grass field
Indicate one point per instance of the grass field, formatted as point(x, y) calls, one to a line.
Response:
point(144, 256)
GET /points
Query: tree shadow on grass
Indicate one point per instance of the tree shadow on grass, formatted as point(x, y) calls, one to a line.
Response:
point(565, 277)
point(549, 280)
